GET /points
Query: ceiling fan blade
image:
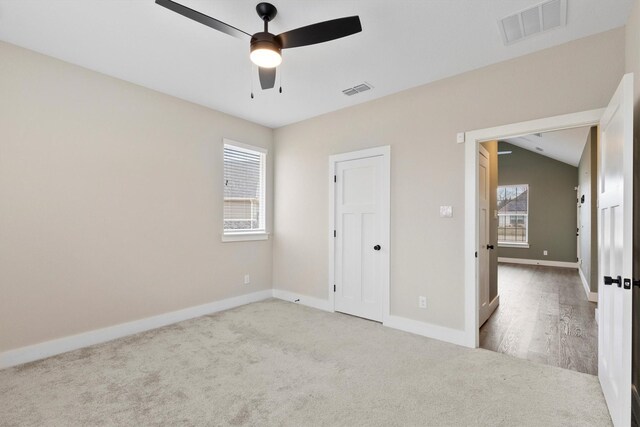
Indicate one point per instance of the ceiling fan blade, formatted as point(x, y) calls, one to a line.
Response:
point(320, 32)
point(267, 77)
point(204, 19)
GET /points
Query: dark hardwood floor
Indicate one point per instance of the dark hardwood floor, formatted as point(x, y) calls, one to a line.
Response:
point(543, 316)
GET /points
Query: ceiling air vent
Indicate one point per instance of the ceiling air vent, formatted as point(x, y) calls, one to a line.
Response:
point(543, 17)
point(357, 89)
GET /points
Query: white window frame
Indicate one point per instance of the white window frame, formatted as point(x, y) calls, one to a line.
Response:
point(247, 235)
point(507, 244)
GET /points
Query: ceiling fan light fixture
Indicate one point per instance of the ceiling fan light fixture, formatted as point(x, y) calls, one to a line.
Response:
point(265, 51)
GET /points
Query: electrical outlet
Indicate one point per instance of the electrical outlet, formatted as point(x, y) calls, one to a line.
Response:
point(422, 302)
point(247, 279)
point(545, 253)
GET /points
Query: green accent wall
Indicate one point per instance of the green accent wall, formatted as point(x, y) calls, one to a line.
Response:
point(552, 203)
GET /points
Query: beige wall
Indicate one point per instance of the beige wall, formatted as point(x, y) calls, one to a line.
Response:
point(111, 202)
point(427, 166)
point(633, 66)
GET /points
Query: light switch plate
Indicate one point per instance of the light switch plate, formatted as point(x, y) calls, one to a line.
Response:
point(446, 211)
point(460, 137)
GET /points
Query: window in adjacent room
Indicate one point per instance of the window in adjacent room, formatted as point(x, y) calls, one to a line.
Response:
point(513, 215)
point(244, 192)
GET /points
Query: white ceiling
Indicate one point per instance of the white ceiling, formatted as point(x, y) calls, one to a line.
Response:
point(404, 43)
point(563, 145)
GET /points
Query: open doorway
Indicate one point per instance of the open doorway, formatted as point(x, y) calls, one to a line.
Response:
point(538, 247)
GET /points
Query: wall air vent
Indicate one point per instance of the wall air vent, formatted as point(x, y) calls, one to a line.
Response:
point(363, 87)
point(543, 17)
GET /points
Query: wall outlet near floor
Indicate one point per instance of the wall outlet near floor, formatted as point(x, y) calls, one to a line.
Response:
point(247, 279)
point(422, 302)
point(545, 253)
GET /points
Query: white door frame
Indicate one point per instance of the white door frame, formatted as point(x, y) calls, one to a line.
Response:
point(472, 139)
point(385, 153)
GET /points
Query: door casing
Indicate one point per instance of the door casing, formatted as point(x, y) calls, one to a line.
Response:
point(385, 212)
point(471, 223)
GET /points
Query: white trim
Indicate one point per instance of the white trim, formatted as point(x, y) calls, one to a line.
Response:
point(73, 342)
point(429, 330)
point(567, 121)
point(320, 304)
point(545, 263)
point(454, 336)
point(517, 244)
point(513, 245)
point(385, 153)
point(493, 305)
point(635, 401)
point(230, 235)
point(244, 237)
point(244, 147)
point(484, 316)
point(591, 296)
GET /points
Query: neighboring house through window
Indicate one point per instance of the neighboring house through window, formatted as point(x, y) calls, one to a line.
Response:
point(244, 190)
point(513, 215)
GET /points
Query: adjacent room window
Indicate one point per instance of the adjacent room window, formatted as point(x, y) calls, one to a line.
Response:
point(244, 189)
point(513, 214)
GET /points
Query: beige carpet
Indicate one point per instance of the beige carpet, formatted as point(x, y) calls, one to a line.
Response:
point(277, 363)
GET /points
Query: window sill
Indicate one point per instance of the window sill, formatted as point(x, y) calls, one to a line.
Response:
point(245, 237)
point(513, 245)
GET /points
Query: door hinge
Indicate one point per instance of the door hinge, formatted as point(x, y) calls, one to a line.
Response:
point(335, 178)
point(334, 233)
point(334, 288)
point(476, 254)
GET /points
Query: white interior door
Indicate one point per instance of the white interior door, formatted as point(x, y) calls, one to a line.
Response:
point(578, 228)
point(484, 237)
point(361, 241)
point(615, 192)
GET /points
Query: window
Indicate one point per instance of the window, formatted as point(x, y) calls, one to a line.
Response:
point(513, 215)
point(244, 191)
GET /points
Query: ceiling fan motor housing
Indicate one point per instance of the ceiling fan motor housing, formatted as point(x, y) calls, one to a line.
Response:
point(266, 40)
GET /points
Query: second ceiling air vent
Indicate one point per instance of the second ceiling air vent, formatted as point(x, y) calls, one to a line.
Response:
point(543, 17)
point(363, 87)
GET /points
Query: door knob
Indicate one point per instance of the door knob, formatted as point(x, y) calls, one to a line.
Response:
point(489, 246)
point(376, 248)
point(608, 280)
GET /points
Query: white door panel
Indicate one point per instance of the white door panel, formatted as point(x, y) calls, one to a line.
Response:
point(484, 237)
point(615, 214)
point(358, 217)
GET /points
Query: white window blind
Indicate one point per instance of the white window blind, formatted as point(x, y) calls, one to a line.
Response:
point(244, 189)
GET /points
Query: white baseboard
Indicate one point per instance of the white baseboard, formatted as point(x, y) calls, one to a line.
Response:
point(62, 345)
point(538, 262)
point(635, 402)
point(318, 303)
point(494, 304)
point(484, 315)
point(591, 296)
point(428, 330)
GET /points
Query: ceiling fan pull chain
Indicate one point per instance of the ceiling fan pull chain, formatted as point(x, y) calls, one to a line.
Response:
point(280, 73)
point(251, 79)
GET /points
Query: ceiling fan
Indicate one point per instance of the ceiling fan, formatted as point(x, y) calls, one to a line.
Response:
point(266, 48)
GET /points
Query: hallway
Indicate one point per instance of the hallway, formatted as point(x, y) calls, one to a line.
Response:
point(544, 316)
